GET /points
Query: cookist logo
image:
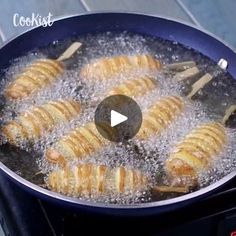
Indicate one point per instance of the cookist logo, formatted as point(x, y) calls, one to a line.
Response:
point(34, 20)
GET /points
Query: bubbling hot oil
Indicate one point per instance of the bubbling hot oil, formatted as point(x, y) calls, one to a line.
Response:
point(149, 155)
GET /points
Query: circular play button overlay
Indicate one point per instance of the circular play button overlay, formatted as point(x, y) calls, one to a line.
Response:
point(118, 118)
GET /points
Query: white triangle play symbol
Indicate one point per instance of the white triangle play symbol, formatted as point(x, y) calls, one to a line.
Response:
point(117, 118)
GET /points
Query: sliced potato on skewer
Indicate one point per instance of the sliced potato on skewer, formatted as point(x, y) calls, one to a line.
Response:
point(196, 152)
point(109, 67)
point(32, 124)
point(38, 75)
point(87, 179)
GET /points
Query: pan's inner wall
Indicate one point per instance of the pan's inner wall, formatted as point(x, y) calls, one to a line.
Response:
point(102, 22)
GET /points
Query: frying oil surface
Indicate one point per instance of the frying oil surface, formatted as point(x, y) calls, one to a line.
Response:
point(146, 155)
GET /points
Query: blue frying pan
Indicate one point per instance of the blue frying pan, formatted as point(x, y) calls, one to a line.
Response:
point(101, 22)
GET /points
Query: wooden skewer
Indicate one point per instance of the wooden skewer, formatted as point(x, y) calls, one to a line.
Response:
point(69, 51)
point(228, 113)
point(171, 189)
point(200, 84)
point(38, 173)
point(186, 74)
point(180, 66)
point(43, 185)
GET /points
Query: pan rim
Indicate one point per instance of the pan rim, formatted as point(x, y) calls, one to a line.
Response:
point(138, 13)
point(20, 180)
point(53, 195)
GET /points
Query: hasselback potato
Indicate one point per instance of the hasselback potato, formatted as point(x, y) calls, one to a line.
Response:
point(37, 75)
point(108, 67)
point(134, 87)
point(77, 144)
point(196, 152)
point(160, 115)
point(33, 123)
point(85, 179)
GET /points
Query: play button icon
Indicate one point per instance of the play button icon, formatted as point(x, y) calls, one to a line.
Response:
point(118, 118)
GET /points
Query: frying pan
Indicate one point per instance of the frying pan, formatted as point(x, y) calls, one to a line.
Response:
point(101, 22)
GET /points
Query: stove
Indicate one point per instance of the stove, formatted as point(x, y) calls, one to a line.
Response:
point(24, 214)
